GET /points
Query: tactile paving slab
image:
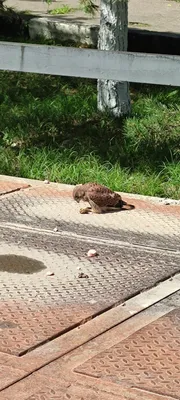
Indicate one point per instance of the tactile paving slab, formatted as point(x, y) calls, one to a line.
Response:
point(35, 307)
point(46, 207)
point(9, 187)
point(142, 362)
point(72, 393)
point(33, 388)
point(148, 359)
point(9, 375)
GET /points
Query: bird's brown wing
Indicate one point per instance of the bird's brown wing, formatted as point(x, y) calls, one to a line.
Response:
point(102, 196)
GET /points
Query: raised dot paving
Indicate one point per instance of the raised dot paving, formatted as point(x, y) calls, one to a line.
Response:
point(36, 307)
point(49, 207)
point(137, 359)
point(148, 360)
point(9, 187)
point(33, 388)
point(49, 286)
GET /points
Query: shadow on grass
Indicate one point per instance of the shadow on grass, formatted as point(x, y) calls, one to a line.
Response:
point(13, 24)
point(50, 127)
point(61, 112)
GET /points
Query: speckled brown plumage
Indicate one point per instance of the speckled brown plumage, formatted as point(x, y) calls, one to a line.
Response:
point(100, 197)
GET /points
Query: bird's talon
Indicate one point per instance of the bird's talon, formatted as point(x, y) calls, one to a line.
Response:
point(83, 211)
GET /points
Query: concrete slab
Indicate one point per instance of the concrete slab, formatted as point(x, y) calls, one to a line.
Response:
point(93, 328)
point(48, 284)
point(9, 187)
point(50, 207)
point(140, 360)
point(35, 307)
point(10, 375)
point(137, 359)
point(55, 299)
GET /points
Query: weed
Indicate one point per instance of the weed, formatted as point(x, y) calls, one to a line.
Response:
point(65, 9)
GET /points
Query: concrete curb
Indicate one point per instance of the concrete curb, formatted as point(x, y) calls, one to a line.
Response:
point(139, 40)
point(49, 28)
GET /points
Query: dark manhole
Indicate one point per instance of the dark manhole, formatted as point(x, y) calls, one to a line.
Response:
point(20, 264)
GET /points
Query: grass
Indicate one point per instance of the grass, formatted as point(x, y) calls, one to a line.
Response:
point(139, 24)
point(50, 128)
point(65, 9)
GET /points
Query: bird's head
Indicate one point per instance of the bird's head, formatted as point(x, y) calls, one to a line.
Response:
point(78, 193)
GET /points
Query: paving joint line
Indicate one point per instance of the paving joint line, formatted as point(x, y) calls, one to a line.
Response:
point(100, 313)
point(9, 192)
point(90, 239)
point(156, 296)
point(174, 283)
point(26, 375)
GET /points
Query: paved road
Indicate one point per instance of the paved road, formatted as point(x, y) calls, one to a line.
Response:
point(154, 15)
point(61, 311)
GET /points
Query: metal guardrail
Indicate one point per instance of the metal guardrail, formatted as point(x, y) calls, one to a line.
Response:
point(88, 63)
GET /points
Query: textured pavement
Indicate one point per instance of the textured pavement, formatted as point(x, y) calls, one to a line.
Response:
point(153, 15)
point(73, 327)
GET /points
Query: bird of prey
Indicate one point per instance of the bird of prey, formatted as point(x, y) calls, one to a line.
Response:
point(100, 198)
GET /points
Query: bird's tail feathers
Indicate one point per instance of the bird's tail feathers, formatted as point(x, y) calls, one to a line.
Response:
point(122, 203)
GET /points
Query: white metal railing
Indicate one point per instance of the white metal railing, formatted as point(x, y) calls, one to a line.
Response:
point(88, 63)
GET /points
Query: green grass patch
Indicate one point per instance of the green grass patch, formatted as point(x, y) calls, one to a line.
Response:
point(65, 9)
point(50, 128)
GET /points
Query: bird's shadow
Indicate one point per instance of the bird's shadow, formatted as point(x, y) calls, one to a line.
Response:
point(126, 207)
